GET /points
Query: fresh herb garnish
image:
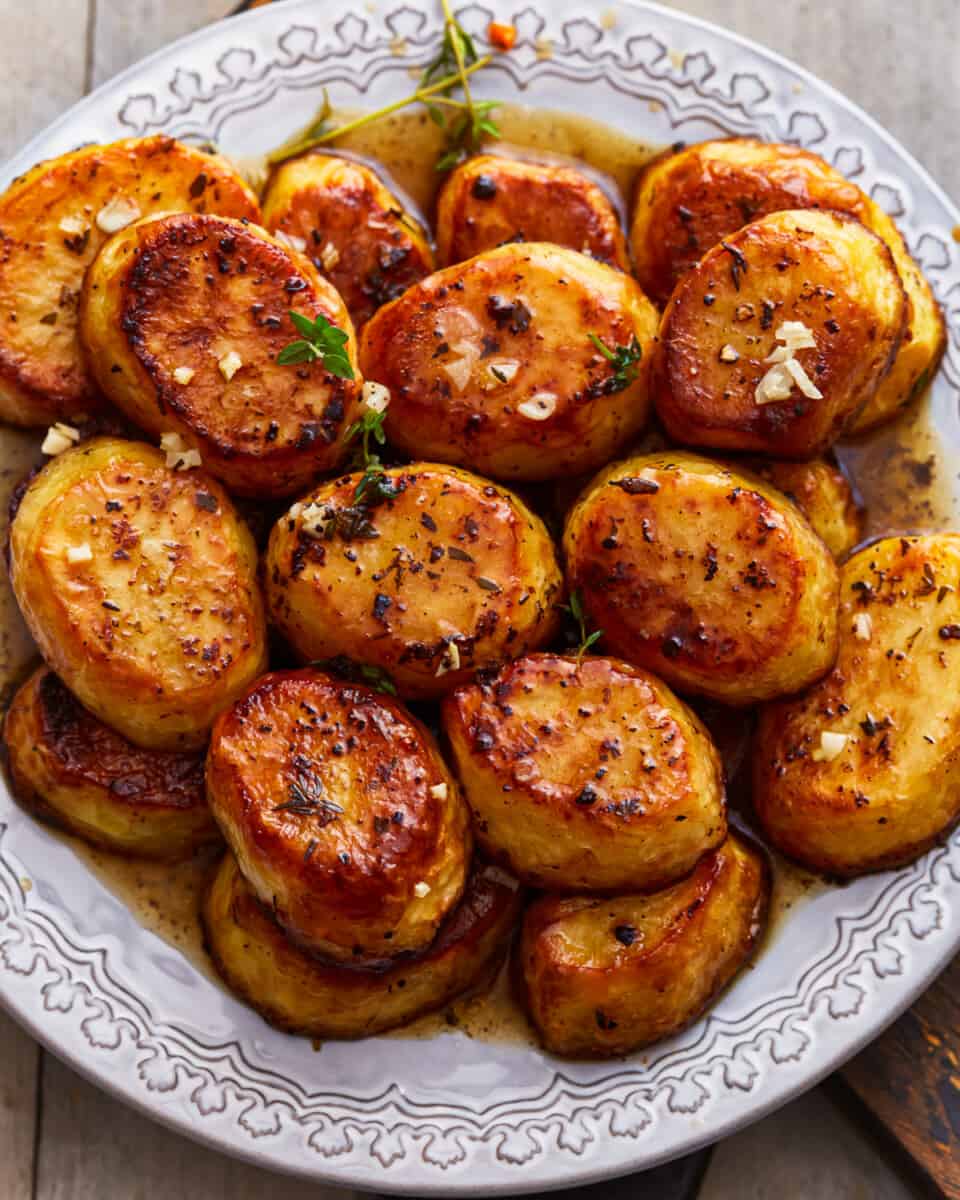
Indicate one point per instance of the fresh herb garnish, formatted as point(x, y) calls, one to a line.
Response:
point(624, 360)
point(575, 609)
point(464, 122)
point(307, 799)
point(374, 486)
point(319, 341)
point(345, 668)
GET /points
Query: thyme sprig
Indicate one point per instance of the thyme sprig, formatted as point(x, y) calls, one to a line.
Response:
point(624, 361)
point(319, 340)
point(374, 487)
point(356, 672)
point(575, 609)
point(472, 121)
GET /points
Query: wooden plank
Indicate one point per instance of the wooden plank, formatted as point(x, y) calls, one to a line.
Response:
point(19, 1074)
point(127, 30)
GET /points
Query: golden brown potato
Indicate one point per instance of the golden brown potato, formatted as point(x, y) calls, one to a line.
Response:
point(53, 221)
point(711, 579)
point(586, 775)
point(300, 994)
point(606, 975)
point(861, 773)
point(491, 363)
point(822, 493)
point(447, 575)
point(490, 200)
point(182, 318)
point(779, 336)
point(355, 231)
point(689, 201)
point(342, 814)
point(138, 583)
point(71, 769)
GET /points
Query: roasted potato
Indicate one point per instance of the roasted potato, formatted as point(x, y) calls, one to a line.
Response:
point(138, 584)
point(343, 816)
point(491, 199)
point(822, 493)
point(53, 221)
point(862, 772)
point(182, 318)
point(355, 230)
point(603, 976)
point(301, 994)
point(447, 574)
point(71, 769)
point(491, 363)
point(709, 578)
point(779, 336)
point(689, 201)
point(586, 774)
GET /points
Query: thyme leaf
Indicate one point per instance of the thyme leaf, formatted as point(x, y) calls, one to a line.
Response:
point(319, 341)
point(623, 361)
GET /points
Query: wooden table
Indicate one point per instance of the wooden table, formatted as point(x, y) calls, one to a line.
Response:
point(61, 1139)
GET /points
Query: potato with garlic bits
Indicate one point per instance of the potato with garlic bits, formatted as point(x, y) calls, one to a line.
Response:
point(53, 220)
point(426, 572)
point(709, 578)
point(72, 770)
point(603, 976)
point(343, 816)
point(138, 584)
point(525, 362)
point(586, 774)
point(183, 318)
point(691, 200)
point(298, 992)
point(860, 772)
point(355, 231)
point(779, 336)
point(491, 199)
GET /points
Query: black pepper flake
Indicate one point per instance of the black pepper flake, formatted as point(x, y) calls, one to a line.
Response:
point(484, 187)
point(207, 502)
point(672, 646)
point(738, 265)
point(483, 740)
point(626, 935)
point(766, 314)
point(272, 430)
point(587, 797)
point(199, 185)
point(116, 607)
point(709, 298)
point(428, 522)
point(831, 326)
point(949, 633)
point(113, 506)
point(308, 853)
point(381, 824)
point(603, 1021)
point(380, 605)
point(637, 486)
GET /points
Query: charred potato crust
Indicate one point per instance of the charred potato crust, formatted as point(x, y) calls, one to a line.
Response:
point(822, 493)
point(862, 772)
point(355, 231)
point(182, 318)
point(709, 578)
point(490, 363)
point(52, 225)
point(824, 270)
point(605, 976)
point(343, 816)
point(490, 200)
point(449, 575)
point(138, 584)
point(586, 774)
point(71, 769)
point(689, 201)
point(300, 994)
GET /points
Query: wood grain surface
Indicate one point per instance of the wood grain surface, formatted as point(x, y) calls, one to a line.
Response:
point(62, 1139)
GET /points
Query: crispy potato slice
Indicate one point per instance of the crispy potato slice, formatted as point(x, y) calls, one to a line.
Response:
point(71, 769)
point(182, 318)
point(823, 275)
point(604, 976)
point(298, 993)
point(860, 772)
point(491, 362)
point(689, 201)
point(355, 230)
point(586, 774)
point(448, 575)
point(709, 578)
point(342, 814)
point(820, 490)
point(138, 584)
point(53, 221)
point(490, 200)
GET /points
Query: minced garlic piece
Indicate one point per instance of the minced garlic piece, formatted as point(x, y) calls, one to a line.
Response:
point(375, 396)
point(229, 364)
point(786, 371)
point(777, 384)
point(314, 518)
point(59, 437)
point(439, 791)
point(329, 256)
point(183, 375)
point(863, 626)
point(831, 744)
point(421, 889)
point(73, 226)
point(539, 407)
point(81, 553)
point(117, 214)
point(291, 240)
point(180, 457)
point(450, 660)
point(728, 354)
point(503, 370)
point(461, 367)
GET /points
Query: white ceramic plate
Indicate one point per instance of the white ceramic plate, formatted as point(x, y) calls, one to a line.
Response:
point(452, 1114)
